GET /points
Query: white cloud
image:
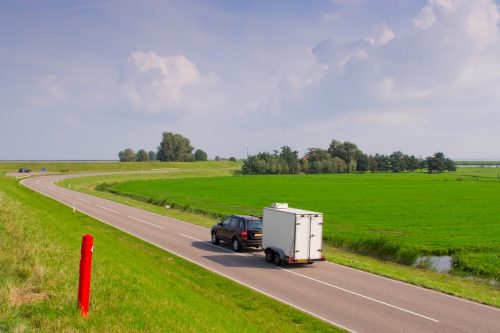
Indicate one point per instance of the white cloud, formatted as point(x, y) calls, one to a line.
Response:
point(156, 84)
point(306, 75)
point(382, 35)
point(475, 20)
point(425, 19)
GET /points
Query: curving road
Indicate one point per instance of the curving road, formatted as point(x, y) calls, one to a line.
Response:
point(354, 300)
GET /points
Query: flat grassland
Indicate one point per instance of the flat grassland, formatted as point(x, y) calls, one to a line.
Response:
point(390, 216)
point(135, 286)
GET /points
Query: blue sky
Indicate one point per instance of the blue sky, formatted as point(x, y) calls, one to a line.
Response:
point(85, 79)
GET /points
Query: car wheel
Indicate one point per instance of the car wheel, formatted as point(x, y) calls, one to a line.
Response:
point(277, 259)
point(236, 245)
point(215, 239)
point(269, 255)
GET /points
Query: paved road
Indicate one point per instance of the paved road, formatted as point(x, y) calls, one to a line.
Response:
point(345, 297)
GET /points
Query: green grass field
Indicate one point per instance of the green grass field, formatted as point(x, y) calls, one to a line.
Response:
point(391, 216)
point(135, 286)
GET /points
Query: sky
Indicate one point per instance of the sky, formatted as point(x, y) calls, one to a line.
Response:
point(86, 79)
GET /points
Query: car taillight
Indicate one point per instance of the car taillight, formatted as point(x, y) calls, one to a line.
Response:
point(291, 260)
point(323, 258)
point(244, 234)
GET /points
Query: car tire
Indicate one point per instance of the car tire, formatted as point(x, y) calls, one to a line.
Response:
point(236, 245)
point(215, 239)
point(277, 259)
point(269, 255)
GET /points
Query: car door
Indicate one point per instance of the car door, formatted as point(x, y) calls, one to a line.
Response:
point(224, 230)
point(233, 227)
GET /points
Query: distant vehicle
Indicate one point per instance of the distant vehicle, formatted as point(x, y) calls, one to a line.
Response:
point(292, 235)
point(24, 170)
point(239, 230)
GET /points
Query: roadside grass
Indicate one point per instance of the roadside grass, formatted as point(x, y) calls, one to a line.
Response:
point(467, 287)
point(135, 285)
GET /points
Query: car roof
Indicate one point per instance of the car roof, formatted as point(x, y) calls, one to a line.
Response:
point(249, 217)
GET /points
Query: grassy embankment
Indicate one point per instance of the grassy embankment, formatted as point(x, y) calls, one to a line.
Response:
point(90, 166)
point(136, 286)
point(385, 215)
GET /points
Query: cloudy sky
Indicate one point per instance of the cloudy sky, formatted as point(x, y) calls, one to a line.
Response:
point(85, 79)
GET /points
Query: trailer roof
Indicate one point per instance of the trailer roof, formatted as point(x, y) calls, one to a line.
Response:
point(295, 211)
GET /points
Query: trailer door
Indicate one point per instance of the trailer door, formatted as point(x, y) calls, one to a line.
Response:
point(302, 236)
point(308, 237)
point(316, 237)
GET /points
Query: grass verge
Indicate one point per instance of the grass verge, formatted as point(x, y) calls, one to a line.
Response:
point(135, 287)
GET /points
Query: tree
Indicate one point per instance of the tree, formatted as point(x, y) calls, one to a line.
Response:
point(232, 159)
point(290, 159)
point(339, 165)
point(413, 163)
point(152, 155)
point(439, 163)
point(397, 161)
point(347, 151)
point(175, 148)
point(217, 158)
point(127, 155)
point(362, 163)
point(383, 162)
point(142, 156)
point(352, 166)
point(200, 155)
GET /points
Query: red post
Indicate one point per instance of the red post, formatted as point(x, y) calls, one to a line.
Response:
point(85, 268)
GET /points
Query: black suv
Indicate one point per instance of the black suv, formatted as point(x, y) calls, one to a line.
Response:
point(240, 230)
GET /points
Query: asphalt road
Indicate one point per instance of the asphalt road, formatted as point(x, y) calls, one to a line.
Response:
point(354, 300)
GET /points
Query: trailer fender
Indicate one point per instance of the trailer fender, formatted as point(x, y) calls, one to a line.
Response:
point(277, 251)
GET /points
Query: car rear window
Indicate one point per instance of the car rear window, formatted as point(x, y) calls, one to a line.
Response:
point(254, 224)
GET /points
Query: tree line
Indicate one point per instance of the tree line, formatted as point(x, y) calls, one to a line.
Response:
point(172, 148)
point(341, 157)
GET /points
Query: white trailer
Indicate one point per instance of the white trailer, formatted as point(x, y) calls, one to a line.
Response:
point(292, 235)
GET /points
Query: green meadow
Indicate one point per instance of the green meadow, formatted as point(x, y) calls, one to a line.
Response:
point(135, 286)
point(390, 216)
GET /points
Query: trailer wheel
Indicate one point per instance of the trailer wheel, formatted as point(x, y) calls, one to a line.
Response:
point(277, 259)
point(269, 255)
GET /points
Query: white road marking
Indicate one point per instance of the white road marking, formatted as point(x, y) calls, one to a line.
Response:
point(154, 225)
point(106, 208)
point(360, 295)
point(209, 243)
point(88, 202)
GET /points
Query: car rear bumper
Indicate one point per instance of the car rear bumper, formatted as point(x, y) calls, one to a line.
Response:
point(252, 242)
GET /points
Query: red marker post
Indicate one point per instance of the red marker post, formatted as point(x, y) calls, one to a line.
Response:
point(85, 268)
